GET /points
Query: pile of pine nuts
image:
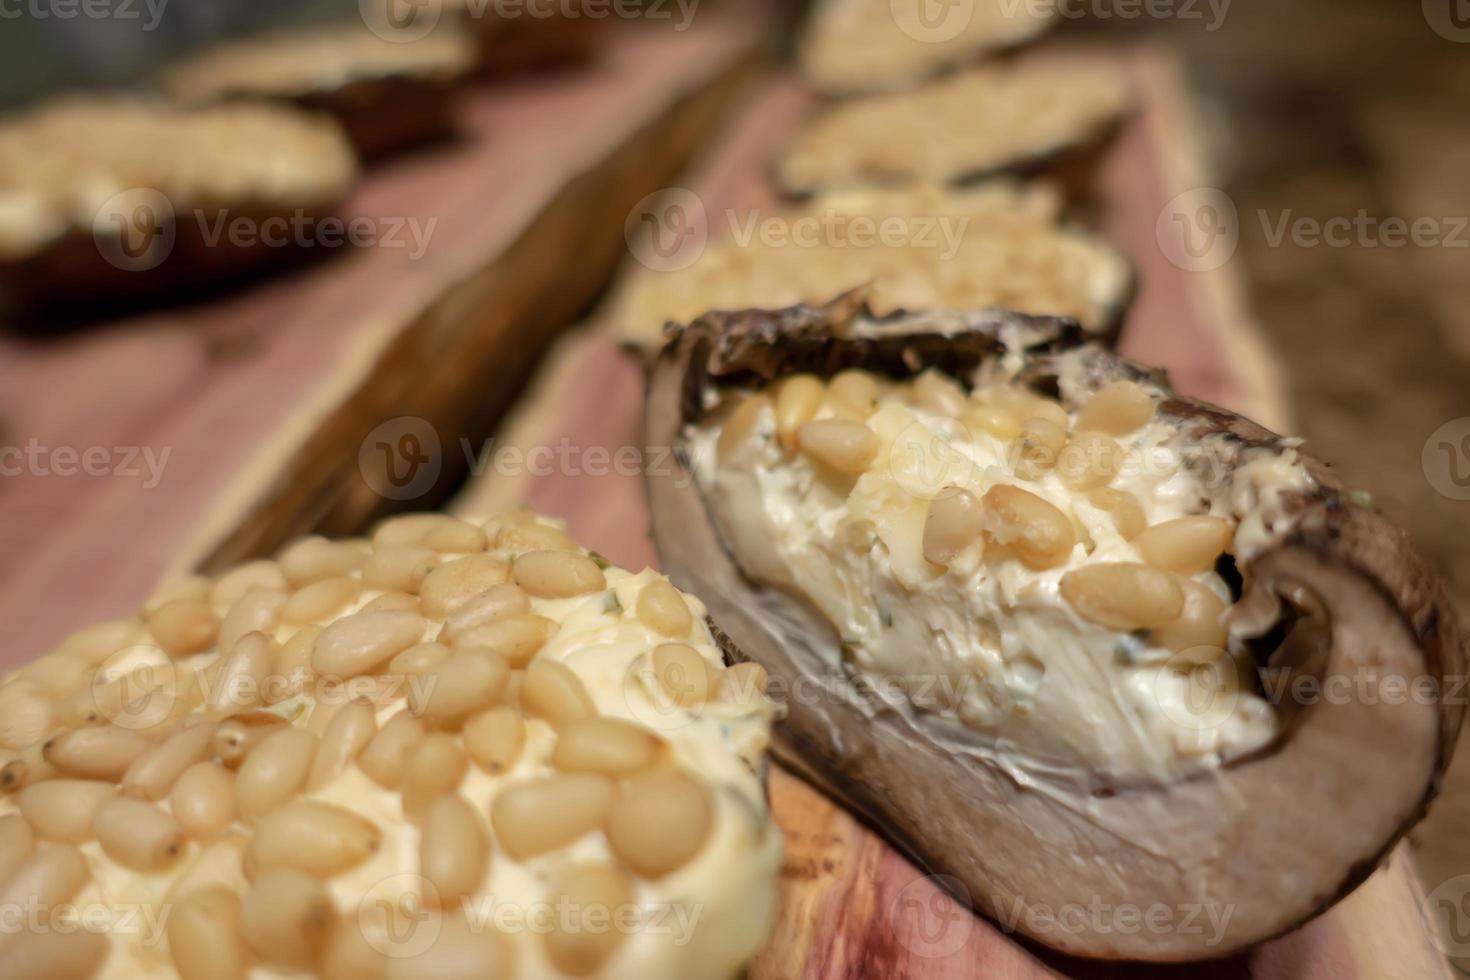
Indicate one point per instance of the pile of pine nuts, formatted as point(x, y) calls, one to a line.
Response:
point(422, 662)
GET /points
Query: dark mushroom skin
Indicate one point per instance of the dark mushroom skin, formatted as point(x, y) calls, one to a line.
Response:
point(1256, 846)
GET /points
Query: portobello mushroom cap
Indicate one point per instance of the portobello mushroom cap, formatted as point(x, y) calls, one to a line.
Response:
point(1261, 842)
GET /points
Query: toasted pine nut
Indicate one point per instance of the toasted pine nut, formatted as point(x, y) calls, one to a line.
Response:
point(1034, 529)
point(598, 891)
point(847, 447)
point(1185, 545)
point(994, 420)
point(26, 714)
point(204, 936)
point(54, 955)
point(938, 393)
point(137, 834)
point(459, 952)
point(450, 586)
point(551, 690)
point(535, 816)
point(1126, 511)
point(494, 738)
point(241, 682)
point(358, 643)
point(322, 839)
point(258, 611)
point(419, 659)
point(236, 737)
point(557, 574)
point(606, 745)
point(62, 809)
point(234, 584)
point(384, 756)
point(406, 529)
point(1090, 460)
point(399, 568)
point(743, 683)
point(17, 844)
point(1123, 596)
point(858, 390)
point(203, 800)
point(435, 764)
point(740, 425)
point(682, 673)
point(152, 775)
point(313, 559)
point(662, 608)
point(99, 641)
point(456, 537)
point(275, 770)
point(347, 734)
point(1035, 451)
point(454, 849)
point(954, 521)
point(286, 918)
point(1199, 633)
point(393, 602)
point(467, 682)
point(659, 822)
point(184, 626)
point(50, 877)
point(320, 600)
point(797, 400)
point(96, 752)
point(1117, 408)
point(350, 956)
point(497, 603)
point(514, 639)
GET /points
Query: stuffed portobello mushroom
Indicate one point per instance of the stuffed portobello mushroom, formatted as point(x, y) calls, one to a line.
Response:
point(1062, 634)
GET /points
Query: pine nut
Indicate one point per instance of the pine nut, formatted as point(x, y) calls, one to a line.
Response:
point(954, 521)
point(313, 559)
point(94, 644)
point(1035, 451)
point(459, 952)
point(25, 714)
point(1123, 596)
point(535, 816)
point(741, 425)
point(662, 608)
point(275, 770)
point(348, 733)
point(98, 752)
point(17, 845)
point(203, 800)
point(557, 574)
point(1123, 507)
point(858, 390)
point(499, 602)
point(743, 683)
point(1026, 405)
point(552, 691)
point(1185, 545)
point(467, 682)
point(1090, 460)
point(993, 420)
point(515, 639)
point(1199, 633)
point(62, 809)
point(292, 663)
point(394, 602)
point(1117, 408)
point(406, 529)
point(435, 765)
point(204, 936)
point(494, 738)
point(595, 893)
point(797, 400)
point(53, 955)
point(28, 768)
point(320, 600)
point(1039, 534)
point(937, 393)
point(286, 918)
point(236, 583)
point(606, 745)
point(399, 568)
point(184, 626)
point(847, 447)
point(456, 537)
point(322, 839)
point(236, 737)
point(241, 682)
point(137, 834)
point(188, 587)
point(359, 643)
point(682, 673)
point(256, 612)
point(55, 674)
point(454, 849)
point(152, 775)
point(418, 659)
point(520, 538)
point(350, 956)
point(450, 586)
point(384, 757)
point(659, 822)
point(50, 877)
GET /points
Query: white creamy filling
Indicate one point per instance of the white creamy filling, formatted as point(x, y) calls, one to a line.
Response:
point(991, 643)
